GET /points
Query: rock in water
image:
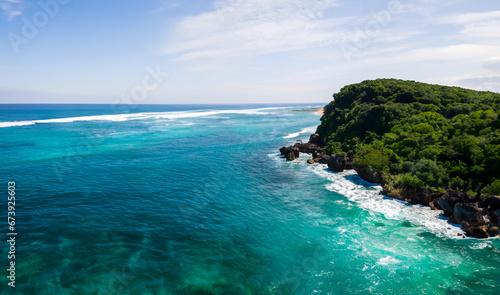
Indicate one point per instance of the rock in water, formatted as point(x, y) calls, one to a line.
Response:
point(317, 139)
point(336, 163)
point(291, 153)
point(306, 147)
point(368, 174)
point(480, 232)
point(283, 151)
point(467, 214)
point(446, 204)
point(314, 154)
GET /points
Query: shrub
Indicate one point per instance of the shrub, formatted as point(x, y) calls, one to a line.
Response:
point(409, 181)
point(430, 173)
point(492, 189)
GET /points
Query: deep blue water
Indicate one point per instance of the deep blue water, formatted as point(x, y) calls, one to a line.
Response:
point(196, 200)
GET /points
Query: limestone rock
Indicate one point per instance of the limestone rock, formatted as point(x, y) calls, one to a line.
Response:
point(467, 214)
point(336, 163)
point(316, 139)
point(368, 174)
point(290, 153)
point(491, 202)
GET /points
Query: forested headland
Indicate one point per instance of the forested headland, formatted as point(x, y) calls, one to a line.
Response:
point(432, 145)
point(417, 135)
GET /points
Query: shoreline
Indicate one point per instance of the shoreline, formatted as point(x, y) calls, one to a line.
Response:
point(318, 111)
point(478, 217)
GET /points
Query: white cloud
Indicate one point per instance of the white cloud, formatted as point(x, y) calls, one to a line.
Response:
point(422, 42)
point(246, 28)
point(455, 52)
point(12, 8)
point(428, 8)
point(483, 30)
point(484, 83)
point(476, 26)
point(467, 18)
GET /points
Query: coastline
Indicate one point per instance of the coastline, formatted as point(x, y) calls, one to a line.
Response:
point(478, 217)
point(404, 135)
point(317, 111)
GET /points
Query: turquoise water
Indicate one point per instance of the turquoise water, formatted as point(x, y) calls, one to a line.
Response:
point(196, 200)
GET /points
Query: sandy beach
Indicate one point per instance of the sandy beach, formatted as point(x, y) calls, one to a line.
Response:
point(319, 111)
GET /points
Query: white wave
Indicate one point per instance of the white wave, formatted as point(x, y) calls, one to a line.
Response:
point(292, 135)
point(115, 118)
point(274, 108)
point(480, 246)
point(355, 189)
point(310, 129)
point(16, 123)
point(137, 116)
point(387, 261)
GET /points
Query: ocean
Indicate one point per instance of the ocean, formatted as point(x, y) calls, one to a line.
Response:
point(195, 199)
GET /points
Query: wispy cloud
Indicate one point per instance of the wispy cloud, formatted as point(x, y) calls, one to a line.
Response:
point(479, 40)
point(429, 8)
point(245, 28)
point(425, 40)
point(476, 26)
point(12, 8)
point(467, 18)
point(454, 52)
point(166, 6)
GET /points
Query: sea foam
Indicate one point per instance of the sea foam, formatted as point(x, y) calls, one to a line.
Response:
point(367, 196)
point(311, 129)
point(140, 116)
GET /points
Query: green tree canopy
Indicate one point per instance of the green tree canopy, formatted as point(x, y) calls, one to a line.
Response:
point(418, 135)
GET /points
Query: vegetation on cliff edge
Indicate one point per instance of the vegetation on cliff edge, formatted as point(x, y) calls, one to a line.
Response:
point(417, 135)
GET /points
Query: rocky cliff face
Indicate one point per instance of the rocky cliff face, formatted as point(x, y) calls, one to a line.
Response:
point(479, 217)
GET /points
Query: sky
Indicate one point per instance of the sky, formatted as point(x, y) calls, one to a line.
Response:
point(239, 51)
